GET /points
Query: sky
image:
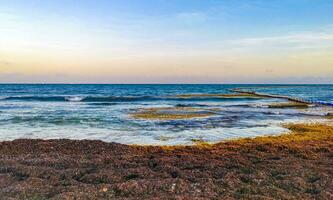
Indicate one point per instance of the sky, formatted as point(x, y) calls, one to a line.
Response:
point(166, 41)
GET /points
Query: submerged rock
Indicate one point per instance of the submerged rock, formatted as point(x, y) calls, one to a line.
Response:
point(329, 115)
point(289, 105)
point(231, 95)
point(171, 113)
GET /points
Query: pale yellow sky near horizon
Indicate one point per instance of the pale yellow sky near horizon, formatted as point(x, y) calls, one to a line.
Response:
point(218, 67)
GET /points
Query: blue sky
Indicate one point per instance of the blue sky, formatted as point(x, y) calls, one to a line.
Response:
point(167, 41)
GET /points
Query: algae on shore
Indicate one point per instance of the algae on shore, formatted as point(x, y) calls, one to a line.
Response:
point(296, 165)
point(299, 132)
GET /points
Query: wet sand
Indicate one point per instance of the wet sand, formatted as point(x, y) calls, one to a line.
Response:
point(291, 166)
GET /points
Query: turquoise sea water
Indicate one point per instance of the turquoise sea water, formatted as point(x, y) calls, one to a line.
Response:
point(104, 112)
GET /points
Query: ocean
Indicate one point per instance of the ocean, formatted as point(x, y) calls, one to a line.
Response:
point(105, 112)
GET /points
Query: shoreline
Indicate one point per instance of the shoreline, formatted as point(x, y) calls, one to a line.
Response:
point(294, 165)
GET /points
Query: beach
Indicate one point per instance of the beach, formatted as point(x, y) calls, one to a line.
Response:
point(166, 142)
point(184, 100)
point(297, 165)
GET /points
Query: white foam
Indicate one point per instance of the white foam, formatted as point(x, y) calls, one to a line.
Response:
point(74, 99)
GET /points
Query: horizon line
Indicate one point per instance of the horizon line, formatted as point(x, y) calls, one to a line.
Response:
point(50, 83)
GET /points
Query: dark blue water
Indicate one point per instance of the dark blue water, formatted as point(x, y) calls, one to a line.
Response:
point(104, 112)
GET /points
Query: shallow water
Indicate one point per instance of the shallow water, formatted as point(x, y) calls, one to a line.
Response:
point(104, 112)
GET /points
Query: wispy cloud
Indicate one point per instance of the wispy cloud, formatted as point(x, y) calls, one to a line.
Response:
point(299, 38)
point(319, 41)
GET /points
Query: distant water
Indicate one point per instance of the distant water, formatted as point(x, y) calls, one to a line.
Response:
point(103, 112)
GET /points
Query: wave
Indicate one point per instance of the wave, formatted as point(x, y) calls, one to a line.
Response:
point(110, 99)
point(35, 98)
point(115, 98)
point(76, 98)
point(191, 105)
point(102, 103)
point(55, 120)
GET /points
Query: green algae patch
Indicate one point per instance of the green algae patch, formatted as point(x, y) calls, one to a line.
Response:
point(165, 138)
point(171, 113)
point(233, 95)
point(289, 105)
point(201, 143)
